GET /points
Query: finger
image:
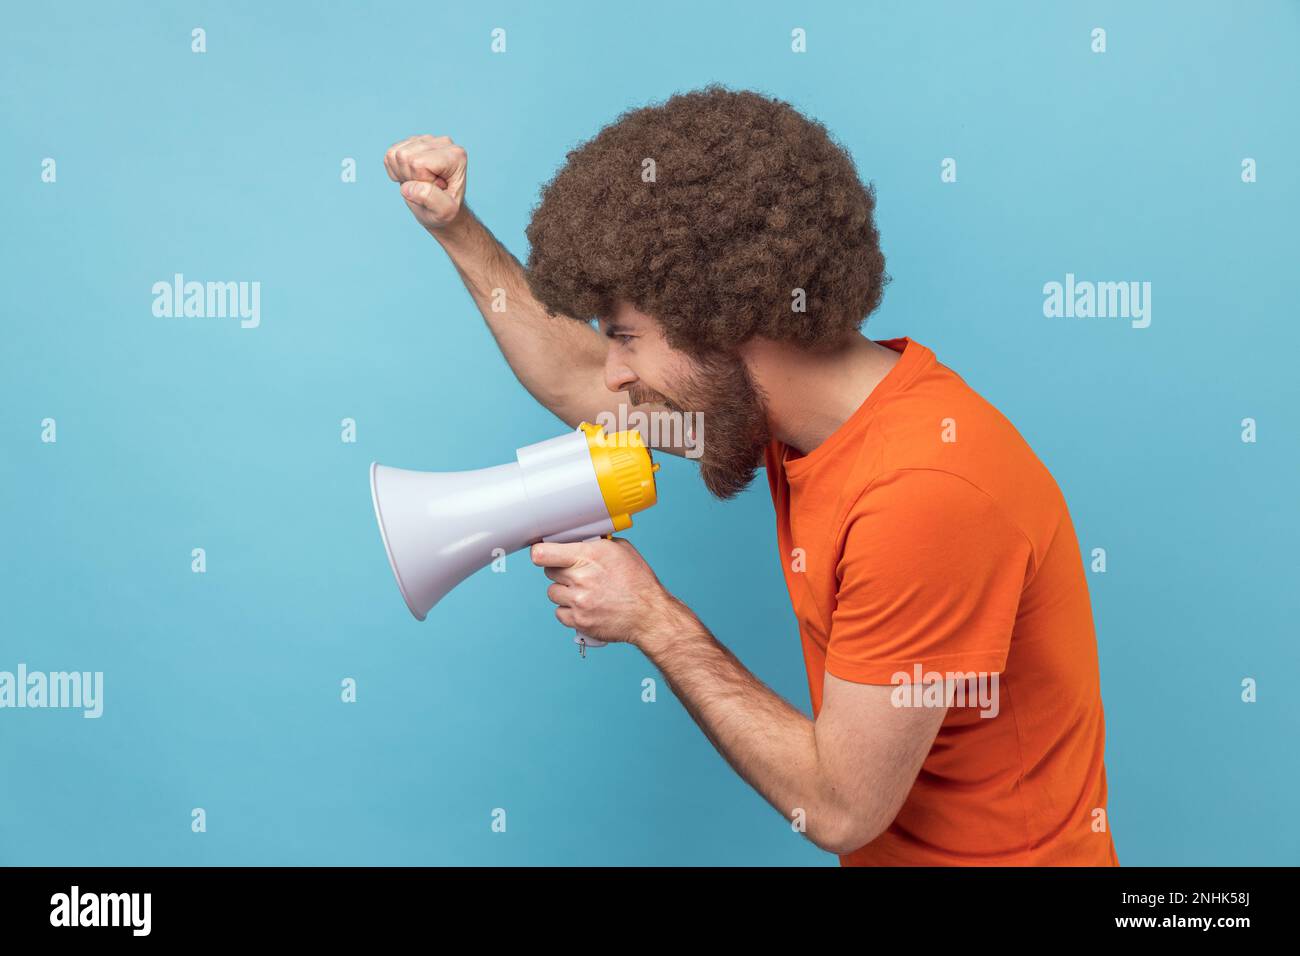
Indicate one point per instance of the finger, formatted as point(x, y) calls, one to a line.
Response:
point(388, 162)
point(560, 594)
point(565, 616)
point(399, 156)
point(429, 196)
point(391, 161)
point(551, 555)
point(559, 575)
point(443, 161)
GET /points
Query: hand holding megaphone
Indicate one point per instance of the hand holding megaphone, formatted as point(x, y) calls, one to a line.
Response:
point(440, 527)
point(583, 641)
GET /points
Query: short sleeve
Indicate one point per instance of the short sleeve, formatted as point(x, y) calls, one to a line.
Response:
point(930, 573)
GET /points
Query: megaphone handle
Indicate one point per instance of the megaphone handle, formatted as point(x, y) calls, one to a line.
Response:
point(582, 640)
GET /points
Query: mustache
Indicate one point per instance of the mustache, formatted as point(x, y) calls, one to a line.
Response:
point(645, 396)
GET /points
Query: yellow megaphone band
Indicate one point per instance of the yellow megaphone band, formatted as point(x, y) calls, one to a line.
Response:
point(624, 472)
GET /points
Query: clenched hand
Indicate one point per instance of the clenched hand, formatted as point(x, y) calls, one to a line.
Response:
point(432, 171)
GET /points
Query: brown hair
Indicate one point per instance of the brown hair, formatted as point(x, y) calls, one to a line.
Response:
point(750, 201)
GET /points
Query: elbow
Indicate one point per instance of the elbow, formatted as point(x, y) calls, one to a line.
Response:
point(847, 829)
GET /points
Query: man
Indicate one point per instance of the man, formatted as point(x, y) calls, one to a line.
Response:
point(728, 250)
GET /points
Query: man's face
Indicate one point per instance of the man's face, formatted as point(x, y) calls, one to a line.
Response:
point(718, 387)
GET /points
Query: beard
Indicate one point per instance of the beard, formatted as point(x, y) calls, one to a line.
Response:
point(720, 389)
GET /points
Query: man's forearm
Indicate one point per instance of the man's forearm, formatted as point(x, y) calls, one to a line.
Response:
point(557, 359)
point(768, 742)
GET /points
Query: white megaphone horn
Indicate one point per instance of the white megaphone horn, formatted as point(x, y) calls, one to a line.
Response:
point(441, 527)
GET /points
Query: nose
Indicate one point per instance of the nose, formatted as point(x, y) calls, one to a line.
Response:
point(618, 376)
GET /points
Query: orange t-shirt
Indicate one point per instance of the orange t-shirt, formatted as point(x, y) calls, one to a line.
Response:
point(928, 533)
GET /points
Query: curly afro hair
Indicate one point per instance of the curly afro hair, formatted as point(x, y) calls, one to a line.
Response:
point(748, 202)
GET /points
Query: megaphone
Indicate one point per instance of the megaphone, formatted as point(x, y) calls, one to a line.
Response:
point(440, 527)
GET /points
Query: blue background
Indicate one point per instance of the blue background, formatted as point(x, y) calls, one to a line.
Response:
point(222, 689)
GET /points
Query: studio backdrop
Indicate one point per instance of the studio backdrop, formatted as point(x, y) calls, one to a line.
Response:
point(184, 499)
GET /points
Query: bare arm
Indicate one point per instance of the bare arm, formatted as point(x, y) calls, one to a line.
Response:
point(842, 777)
point(930, 572)
point(559, 360)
